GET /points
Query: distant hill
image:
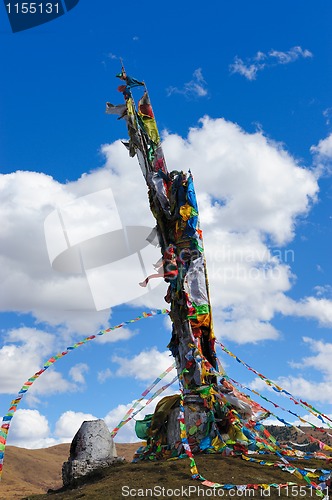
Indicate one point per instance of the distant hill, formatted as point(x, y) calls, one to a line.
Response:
point(28, 472)
point(287, 435)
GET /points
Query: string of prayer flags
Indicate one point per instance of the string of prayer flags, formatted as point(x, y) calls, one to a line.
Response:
point(6, 420)
point(279, 389)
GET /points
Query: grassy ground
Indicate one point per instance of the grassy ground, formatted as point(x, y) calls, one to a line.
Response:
point(30, 473)
point(171, 480)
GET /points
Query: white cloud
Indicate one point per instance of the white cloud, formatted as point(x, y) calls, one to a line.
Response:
point(51, 382)
point(117, 335)
point(69, 423)
point(299, 386)
point(303, 386)
point(77, 372)
point(260, 61)
point(323, 290)
point(30, 430)
point(249, 69)
point(245, 330)
point(24, 353)
point(319, 309)
point(140, 366)
point(28, 283)
point(274, 421)
point(306, 389)
point(327, 113)
point(127, 433)
point(103, 375)
point(291, 55)
point(323, 155)
point(324, 147)
point(196, 87)
point(250, 191)
point(248, 181)
point(322, 360)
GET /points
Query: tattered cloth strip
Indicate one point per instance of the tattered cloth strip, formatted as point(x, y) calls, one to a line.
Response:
point(6, 420)
point(302, 445)
point(279, 389)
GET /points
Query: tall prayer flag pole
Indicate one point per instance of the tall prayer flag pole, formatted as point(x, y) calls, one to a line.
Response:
point(173, 203)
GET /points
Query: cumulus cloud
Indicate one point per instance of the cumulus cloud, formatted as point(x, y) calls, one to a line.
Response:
point(103, 375)
point(24, 352)
point(321, 361)
point(323, 291)
point(273, 421)
point(313, 420)
point(117, 335)
point(247, 198)
point(31, 430)
point(28, 282)
point(250, 192)
point(247, 69)
point(244, 330)
point(140, 366)
point(251, 66)
point(307, 390)
point(311, 307)
point(327, 113)
point(248, 181)
point(298, 386)
point(127, 433)
point(322, 153)
point(291, 55)
point(77, 372)
point(304, 386)
point(69, 423)
point(196, 87)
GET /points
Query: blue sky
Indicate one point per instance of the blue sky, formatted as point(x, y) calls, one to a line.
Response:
point(241, 92)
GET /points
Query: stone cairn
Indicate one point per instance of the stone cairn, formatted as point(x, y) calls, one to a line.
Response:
point(92, 448)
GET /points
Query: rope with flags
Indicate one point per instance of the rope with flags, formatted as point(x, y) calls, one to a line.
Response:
point(6, 420)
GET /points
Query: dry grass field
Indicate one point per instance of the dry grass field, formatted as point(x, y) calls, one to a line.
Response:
point(29, 474)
